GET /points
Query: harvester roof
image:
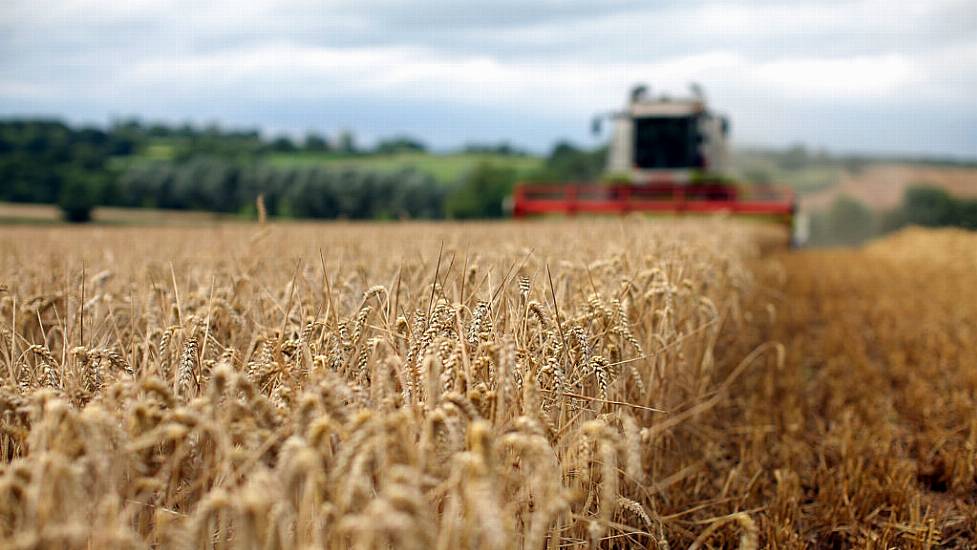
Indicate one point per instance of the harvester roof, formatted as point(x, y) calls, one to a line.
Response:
point(663, 107)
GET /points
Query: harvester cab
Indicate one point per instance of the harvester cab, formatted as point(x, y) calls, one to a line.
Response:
point(666, 155)
point(665, 139)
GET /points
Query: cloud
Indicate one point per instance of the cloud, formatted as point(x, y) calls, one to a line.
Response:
point(556, 87)
point(859, 77)
point(543, 61)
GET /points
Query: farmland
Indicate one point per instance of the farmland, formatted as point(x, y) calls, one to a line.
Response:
point(881, 187)
point(446, 168)
point(49, 214)
point(588, 383)
point(872, 437)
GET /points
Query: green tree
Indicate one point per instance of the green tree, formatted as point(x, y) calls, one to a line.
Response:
point(502, 148)
point(78, 197)
point(928, 206)
point(931, 206)
point(400, 144)
point(846, 222)
point(314, 143)
point(481, 192)
point(568, 163)
point(282, 144)
point(346, 143)
point(794, 158)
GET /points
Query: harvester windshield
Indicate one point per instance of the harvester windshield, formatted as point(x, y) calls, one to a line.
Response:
point(666, 143)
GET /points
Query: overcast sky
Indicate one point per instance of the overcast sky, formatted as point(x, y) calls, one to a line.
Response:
point(875, 76)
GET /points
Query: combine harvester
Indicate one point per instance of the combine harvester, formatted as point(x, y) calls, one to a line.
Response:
point(667, 156)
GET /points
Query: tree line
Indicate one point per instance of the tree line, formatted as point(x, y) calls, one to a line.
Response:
point(847, 221)
point(222, 185)
point(134, 164)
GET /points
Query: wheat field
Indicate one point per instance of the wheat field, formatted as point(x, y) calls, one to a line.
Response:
point(595, 383)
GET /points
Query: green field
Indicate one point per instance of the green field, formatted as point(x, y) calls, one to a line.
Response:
point(810, 174)
point(446, 168)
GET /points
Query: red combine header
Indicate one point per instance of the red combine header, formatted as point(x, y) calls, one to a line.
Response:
point(666, 156)
point(572, 198)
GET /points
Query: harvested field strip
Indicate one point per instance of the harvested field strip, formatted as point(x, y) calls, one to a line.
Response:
point(872, 427)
